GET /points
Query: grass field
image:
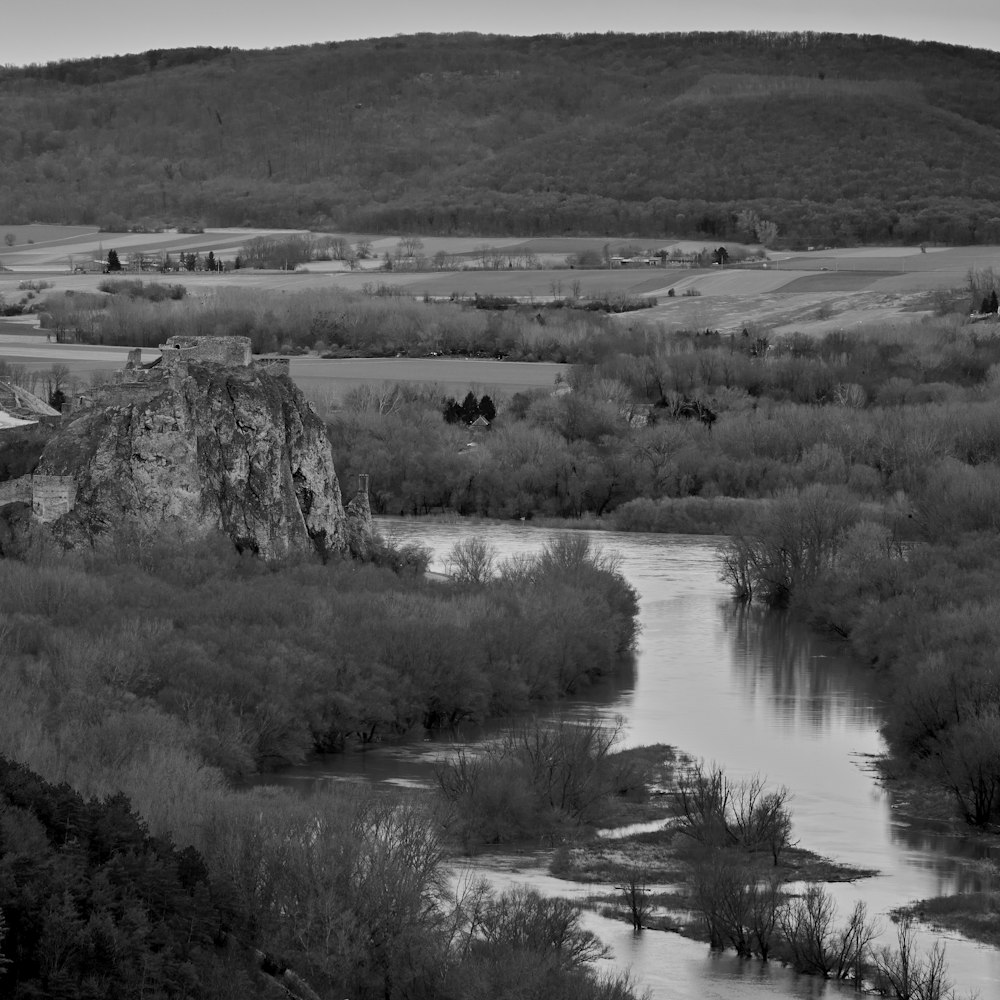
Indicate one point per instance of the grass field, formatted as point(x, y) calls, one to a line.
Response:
point(38, 234)
point(833, 281)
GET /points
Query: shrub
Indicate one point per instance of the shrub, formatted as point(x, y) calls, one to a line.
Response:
point(717, 812)
point(788, 544)
point(532, 782)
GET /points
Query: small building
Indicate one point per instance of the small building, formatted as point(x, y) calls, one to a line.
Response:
point(640, 261)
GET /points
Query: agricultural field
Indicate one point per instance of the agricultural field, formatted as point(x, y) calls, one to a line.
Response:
point(807, 292)
point(323, 381)
point(76, 246)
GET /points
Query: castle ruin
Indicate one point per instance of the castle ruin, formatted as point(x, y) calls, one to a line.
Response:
point(51, 497)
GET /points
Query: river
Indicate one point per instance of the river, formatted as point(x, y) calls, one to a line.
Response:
point(755, 693)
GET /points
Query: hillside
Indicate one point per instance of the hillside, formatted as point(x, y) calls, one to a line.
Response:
point(834, 138)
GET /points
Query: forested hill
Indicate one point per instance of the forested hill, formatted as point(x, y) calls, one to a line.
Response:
point(835, 138)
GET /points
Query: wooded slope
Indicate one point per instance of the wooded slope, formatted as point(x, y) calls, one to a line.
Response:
point(835, 138)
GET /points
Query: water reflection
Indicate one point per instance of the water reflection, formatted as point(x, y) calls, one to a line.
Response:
point(757, 693)
point(811, 684)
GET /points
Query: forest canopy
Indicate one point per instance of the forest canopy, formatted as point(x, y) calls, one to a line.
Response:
point(670, 134)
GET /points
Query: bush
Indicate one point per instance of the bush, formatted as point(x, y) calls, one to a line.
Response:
point(717, 812)
point(788, 545)
point(134, 288)
point(534, 782)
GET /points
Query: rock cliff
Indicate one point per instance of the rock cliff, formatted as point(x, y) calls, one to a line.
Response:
point(207, 443)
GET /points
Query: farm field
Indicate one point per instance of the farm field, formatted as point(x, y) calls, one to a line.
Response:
point(324, 381)
point(807, 292)
point(63, 254)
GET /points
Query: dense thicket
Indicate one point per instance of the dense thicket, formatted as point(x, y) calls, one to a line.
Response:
point(332, 323)
point(345, 892)
point(673, 430)
point(613, 134)
point(261, 667)
point(93, 906)
point(156, 667)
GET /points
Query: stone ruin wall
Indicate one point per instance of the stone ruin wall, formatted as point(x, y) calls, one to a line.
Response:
point(273, 366)
point(50, 496)
point(15, 491)
point(136, 376)
point(231, 351)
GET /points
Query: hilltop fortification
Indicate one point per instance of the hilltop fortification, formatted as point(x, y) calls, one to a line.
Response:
point(203, 437)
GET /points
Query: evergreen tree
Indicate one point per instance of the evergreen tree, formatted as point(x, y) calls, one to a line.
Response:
point(210, 263)
point(994, 304)
point(487, 409)
point(113, 264)
point(470, 407)
point(452, 411)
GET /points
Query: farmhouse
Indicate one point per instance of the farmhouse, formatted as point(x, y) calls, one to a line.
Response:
point(640, 261)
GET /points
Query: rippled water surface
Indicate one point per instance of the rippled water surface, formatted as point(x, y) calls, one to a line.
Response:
point(754, 693)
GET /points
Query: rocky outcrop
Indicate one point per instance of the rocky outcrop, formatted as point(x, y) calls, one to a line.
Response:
point(205, 444)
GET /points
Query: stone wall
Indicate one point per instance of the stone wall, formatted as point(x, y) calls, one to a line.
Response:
point(232, 351)
point(52, 496)
point(274, 366)
point(15, 491)
point(137, 376)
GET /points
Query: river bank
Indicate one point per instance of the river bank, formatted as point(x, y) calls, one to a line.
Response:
point(756, 692)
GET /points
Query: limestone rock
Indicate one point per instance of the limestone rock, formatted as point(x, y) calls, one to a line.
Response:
point(208, 445)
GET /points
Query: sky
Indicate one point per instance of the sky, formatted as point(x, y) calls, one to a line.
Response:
point(47, 30)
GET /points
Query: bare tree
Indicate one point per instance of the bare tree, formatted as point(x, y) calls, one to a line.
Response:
point(472, 560)
point(902, 974)
point(816, 945)
point(384, 398)
point(410, 246)
point(717, 811)
point(632, 884)
point(703, 804)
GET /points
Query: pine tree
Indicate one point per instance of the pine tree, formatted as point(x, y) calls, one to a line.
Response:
point(470, 407)
point(994, 304)
point(452, 411)
point(487, 409)
point(114, 264)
